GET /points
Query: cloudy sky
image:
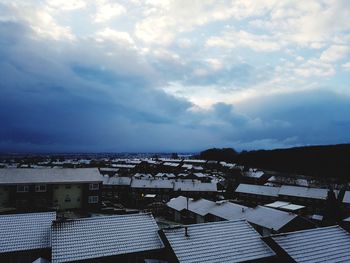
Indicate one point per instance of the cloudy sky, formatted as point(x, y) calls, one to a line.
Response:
point(176, 75)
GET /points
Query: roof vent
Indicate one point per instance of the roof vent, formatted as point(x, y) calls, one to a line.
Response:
point(186, 232)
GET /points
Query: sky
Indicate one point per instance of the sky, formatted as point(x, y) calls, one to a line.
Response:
point(173, 76)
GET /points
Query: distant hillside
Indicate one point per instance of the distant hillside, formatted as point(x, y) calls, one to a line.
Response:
point(319, 161)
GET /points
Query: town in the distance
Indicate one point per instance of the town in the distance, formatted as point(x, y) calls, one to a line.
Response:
point(164, 208)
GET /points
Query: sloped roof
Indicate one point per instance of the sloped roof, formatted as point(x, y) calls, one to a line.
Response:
point(49, 175)
point(225, 241)
point(258, 189)
point(306, 192)
point(19, 232)
point(115, 180)
point(229, 211)
point(104, 236)
point(225, 210)
point(346, 198)
point(269, 218)
point(152, 183)
point(200, 206)
point(189, 186)
point(327, 244)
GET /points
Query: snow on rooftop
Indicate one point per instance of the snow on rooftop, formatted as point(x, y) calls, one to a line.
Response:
point(189, 186)
point(346, 198)
point(269, 218)
point(305, 192)
point(171, 164)
point(114, 180)
point(48, 175)
point(258, 189)
point(327, 244)
point(97, 237)
point(223, 209)
point(29, 231)
point(152, 183)
point(255, 174)
point(225, 241)
point(285, 206)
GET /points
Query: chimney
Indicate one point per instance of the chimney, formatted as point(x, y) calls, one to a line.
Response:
point(186, 232)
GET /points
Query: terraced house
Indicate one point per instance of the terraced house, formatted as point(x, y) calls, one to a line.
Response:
point(45, 189)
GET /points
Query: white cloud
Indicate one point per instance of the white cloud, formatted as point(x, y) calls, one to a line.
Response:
point(241, 38)
point(115, 36)
point(67, 5)
point(334, 53)
point(108, 10)
point(346, 66)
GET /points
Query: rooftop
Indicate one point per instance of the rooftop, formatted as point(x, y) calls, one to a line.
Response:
point(258, 189)
point(21, 232)
point(307, 192)
point(104, 236)
point(49, 175)
point(269, 218)
point(225, 241)
point(327, 244)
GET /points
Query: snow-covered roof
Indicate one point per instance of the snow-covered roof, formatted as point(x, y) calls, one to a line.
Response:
point(200, 206)
point(346, 198)
point(305, 192)
point(326, 244)
point(225, 241)
point(171, 164)
point(229, 211)
point(317, 217)
point(114, 180)
point(189, 186)
point(152, 183)
point(97, 237)
point(258, 189)
point(124, 166)
point(187, 166)
point(223, 209)
point(49, 176)
point(21, 232)
point(285, 206)
point(269, 218)
point(194, 161)
point(167, 175)
point(255, 174)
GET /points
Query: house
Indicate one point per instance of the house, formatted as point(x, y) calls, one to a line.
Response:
point(268, 220)
point(195, 188)
point(314, 198)
point(123, 238)
point(25, 237)
point(225, 210)
point(288, 207)
point(46, 188)
point(162, 187)
point(257, 194)
point(115, 186)
point(325, 244)
point(225, 241)
point(255, 177)
point(184, 209)
point(202, 210)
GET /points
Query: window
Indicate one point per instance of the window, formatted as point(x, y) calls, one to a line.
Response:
point(40, 188)
point(68, 186)
point(93, 199)
point(67, 199)
point(93, 186)
point(22, 188)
